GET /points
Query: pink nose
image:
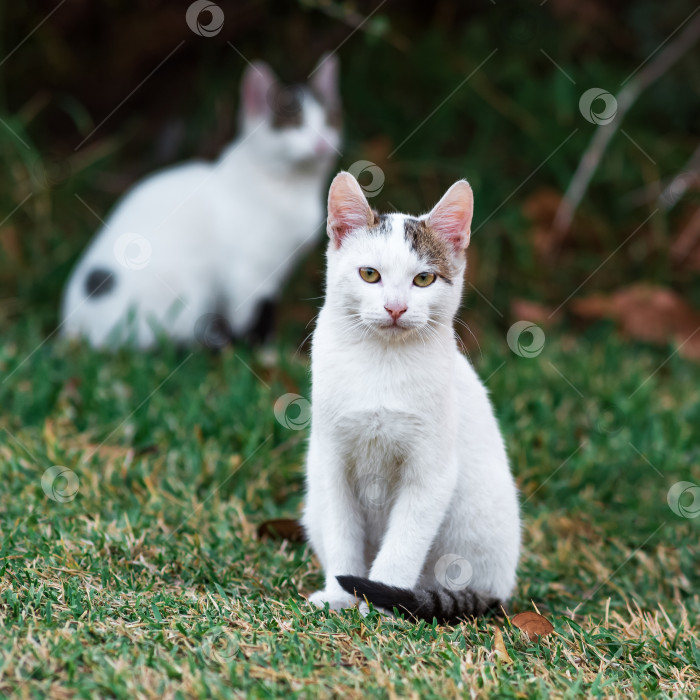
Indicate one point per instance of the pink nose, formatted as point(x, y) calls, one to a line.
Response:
point(395, 310)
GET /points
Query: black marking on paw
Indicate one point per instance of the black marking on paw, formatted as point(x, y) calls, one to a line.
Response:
point(99, 282)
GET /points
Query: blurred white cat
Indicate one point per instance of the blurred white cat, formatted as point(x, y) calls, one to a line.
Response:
point(199, 251)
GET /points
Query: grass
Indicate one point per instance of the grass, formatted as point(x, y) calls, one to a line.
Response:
point(151, 582)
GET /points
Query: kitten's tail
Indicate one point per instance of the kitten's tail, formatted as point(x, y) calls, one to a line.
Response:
point(423, 604)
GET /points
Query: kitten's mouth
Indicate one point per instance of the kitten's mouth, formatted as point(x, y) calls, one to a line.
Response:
point(394, 327)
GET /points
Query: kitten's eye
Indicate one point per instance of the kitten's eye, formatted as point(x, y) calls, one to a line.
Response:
point(424, 279)
point(369, 274)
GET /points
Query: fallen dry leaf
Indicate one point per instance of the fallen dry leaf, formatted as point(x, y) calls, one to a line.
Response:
point(500, 647)
point(647, 312)
point(282, 529)
point(685, 249)
point(523, 309)
point(532, 624)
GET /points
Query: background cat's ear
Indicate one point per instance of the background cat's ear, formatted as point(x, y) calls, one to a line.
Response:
point(347, 208)
point(258, 81)
point(324, 79)
point(451, 217)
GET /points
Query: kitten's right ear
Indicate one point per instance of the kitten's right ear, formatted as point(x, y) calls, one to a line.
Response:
point(324, 79)
point(258, 81)
point(347, 208)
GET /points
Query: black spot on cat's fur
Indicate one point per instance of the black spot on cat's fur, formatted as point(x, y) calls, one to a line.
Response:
point(99, 282)
point(429, 247)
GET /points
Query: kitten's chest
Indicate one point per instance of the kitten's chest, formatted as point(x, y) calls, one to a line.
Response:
point(379, 411)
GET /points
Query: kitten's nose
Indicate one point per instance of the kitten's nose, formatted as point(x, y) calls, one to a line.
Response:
point(395, 309)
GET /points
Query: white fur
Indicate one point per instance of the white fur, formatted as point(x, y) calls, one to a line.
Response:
point(399, 413)
point(204, 237)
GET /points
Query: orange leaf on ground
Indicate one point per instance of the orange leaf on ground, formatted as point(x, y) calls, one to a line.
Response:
point(647, 312)
point(282, 529)
point(523, 309)
point(533, 624)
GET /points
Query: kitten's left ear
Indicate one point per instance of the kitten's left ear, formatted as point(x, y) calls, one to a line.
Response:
point(348, 209)
point(324, 79)
point(451, 217)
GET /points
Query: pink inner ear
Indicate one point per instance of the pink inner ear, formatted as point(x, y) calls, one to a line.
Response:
point(325, 78)
point(257, 82)
point(451, 217)
point(347, 208)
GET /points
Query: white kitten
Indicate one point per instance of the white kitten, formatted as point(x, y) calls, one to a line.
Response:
point(410, 500)
point(200, 242)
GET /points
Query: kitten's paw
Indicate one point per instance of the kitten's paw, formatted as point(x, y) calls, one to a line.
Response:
point(337, 600)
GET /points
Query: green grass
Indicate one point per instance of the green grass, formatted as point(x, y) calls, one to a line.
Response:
point(151, 581)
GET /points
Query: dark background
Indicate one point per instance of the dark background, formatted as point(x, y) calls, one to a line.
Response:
point(101, 94)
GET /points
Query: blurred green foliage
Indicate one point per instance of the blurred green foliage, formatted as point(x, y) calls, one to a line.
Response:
point(100, 94)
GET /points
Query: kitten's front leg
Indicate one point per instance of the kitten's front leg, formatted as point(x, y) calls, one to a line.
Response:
point(334, 526)
point(420, 507)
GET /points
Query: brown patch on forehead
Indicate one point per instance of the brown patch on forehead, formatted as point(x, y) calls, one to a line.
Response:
point(381, 223)
point(286, 104)
point(429, 248)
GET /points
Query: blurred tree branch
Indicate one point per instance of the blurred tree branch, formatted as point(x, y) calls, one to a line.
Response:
point(604, 133)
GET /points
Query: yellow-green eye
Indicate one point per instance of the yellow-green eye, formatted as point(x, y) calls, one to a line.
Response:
point(424, 279)
point(369, 274)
